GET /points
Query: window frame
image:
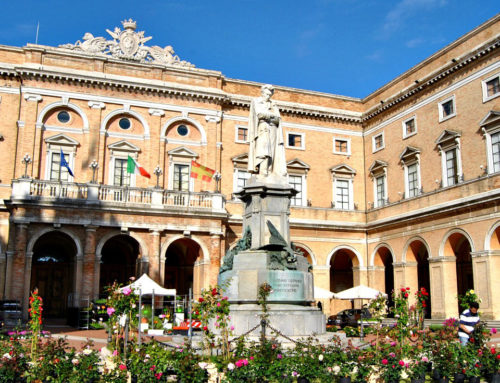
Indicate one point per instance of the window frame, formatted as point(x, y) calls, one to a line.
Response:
point(488, 134)
point(484, 87)
point(236, 171)
point(69, 150)
point(350, 201)
point(407, 180)
point(376, 202)
point(68, 156)
point(236, 128)
point(111, 174)
point(404, 122)
point(442, 117)
point(374, 148)
point(348, 140)
point(303, 191)
point(302, 141)
point(171, 171)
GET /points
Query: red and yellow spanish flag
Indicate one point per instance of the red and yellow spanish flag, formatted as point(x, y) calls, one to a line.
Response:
point(200, 171)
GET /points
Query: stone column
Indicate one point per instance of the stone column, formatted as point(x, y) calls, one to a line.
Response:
point(212, 122)
point(77, 285)
point(88, 265)
point(486, 282)
point(8, 274)
point(399, 275)
point(376, 277)
point(215, 257)
point(154, 258)
point(443, 278)
point(411, 279)
point(27, 282)
point(18, 286)
point(2, 275)
point(97, 276)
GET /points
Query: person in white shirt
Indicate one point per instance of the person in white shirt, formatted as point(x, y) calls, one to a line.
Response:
point(468, 321)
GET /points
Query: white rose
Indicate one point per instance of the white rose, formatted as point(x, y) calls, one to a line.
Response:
point(230, 366)
point(87, 351)
point(336, 369)
point(203, 365)
point(75, 361)
point(6, 356)
point(320, 357)
point(404, 375)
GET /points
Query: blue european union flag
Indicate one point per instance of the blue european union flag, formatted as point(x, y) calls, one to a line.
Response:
point(65, 164)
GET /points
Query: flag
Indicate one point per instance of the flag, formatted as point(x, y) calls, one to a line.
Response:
point(200, 171)
point(133, 167)
point(65, 164)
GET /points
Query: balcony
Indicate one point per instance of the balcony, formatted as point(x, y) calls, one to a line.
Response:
point(38, 190)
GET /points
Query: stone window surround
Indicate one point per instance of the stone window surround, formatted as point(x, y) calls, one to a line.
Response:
point(377, 170)
point(489, 126)
point(411, 156)
point(447, 141)
point(405, 135)
point(374, 148)
point(236, 128)
point(302, 141)
point(442, 117)
point(68, 148)
point(485, 88)
point(120, 154)
point(180, 156)
point(346, 153)
point(344, 173)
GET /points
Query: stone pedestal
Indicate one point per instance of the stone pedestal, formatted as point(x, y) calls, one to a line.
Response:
point(290, 309)
point(266, 202)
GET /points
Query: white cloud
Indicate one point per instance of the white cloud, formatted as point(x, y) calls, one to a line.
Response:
point(414, 42)
point(376, 56)
point(406, 9)
point(305, 39)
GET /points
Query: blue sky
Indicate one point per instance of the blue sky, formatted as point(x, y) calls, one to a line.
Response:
point(346, 47)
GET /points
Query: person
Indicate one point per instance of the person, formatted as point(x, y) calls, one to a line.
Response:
point(468, 320)
point(320, 306)
point(266, 155)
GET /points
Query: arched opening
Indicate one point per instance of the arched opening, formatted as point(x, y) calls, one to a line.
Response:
point(383, 258)
point(495, 239)
point(341, 276)
point(52, 271)
point(417, 252)
point(180, 264)
point(459, 246)
point(305, 253)
point(119, 258)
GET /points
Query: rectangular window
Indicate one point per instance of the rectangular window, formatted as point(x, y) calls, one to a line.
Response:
point(409, 127)
point(447, 109)
point(295, 140)
point(121, 177)
point(241, 180)
point(413, 180)
point(241, 134)
point(451, 167)
point(296, 183)
point(341, 146)
point(181, 177)
point(58, 173)
point(378, 142)
point(380, 190)
point(495, 150)
point(342, 194)
point(493, 87)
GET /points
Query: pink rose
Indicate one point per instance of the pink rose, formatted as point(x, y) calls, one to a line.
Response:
point(122, 367)
point(401, 363)
point(126, 290)
point(493, 330)
point(385, 362)
point(110, 311)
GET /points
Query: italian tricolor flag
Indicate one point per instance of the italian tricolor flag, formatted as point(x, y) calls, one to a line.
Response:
point(133, 167)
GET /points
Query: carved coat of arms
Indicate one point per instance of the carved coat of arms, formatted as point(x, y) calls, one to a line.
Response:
point(128, 45)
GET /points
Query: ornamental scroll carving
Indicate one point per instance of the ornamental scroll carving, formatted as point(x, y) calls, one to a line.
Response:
point(127, 45)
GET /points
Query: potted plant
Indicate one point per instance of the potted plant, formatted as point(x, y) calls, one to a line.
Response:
point(418, 368)
point(490, 359)
point(392, 368)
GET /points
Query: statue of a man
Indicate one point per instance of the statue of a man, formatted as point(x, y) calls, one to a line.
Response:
point(266, 157)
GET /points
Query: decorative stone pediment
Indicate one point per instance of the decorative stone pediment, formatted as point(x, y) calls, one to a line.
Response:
point(61, 140)
point(297, 166)
point(343, 170)
point(240, 161)
point(410, 154)
point(123, 146)
point(448, 138)
point(491, 120)
point(377, 168)
point(127, 45)
point(183, 152)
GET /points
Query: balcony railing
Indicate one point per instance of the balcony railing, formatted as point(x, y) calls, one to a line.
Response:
point(27, 188)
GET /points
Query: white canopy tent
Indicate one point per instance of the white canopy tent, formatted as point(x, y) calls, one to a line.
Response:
point(358, 292)
point(146, 286)
point(320, 293)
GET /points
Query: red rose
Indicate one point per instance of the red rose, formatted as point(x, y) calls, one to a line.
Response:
point(407, 289)
point(498, 356)
point(403, 289)
point(205, 328)
point(214, 292)
point(200, 300)
point(493, 351)
point(385, 361)
point(406, 295)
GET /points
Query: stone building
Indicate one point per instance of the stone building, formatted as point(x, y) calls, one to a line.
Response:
point(397, 189)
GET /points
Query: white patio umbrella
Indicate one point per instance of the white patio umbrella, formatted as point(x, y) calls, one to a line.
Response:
point(149, 287)
point(358, 292)
point(320, 293)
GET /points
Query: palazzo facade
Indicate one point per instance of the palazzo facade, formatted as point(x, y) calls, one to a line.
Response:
point(400, 188)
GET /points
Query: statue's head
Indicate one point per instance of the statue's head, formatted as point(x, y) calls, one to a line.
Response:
point(267, 91)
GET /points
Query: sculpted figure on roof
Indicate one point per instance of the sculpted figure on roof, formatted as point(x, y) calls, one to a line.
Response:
point(129, 45)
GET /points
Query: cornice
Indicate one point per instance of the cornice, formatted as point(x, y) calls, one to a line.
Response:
point(433, 78)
